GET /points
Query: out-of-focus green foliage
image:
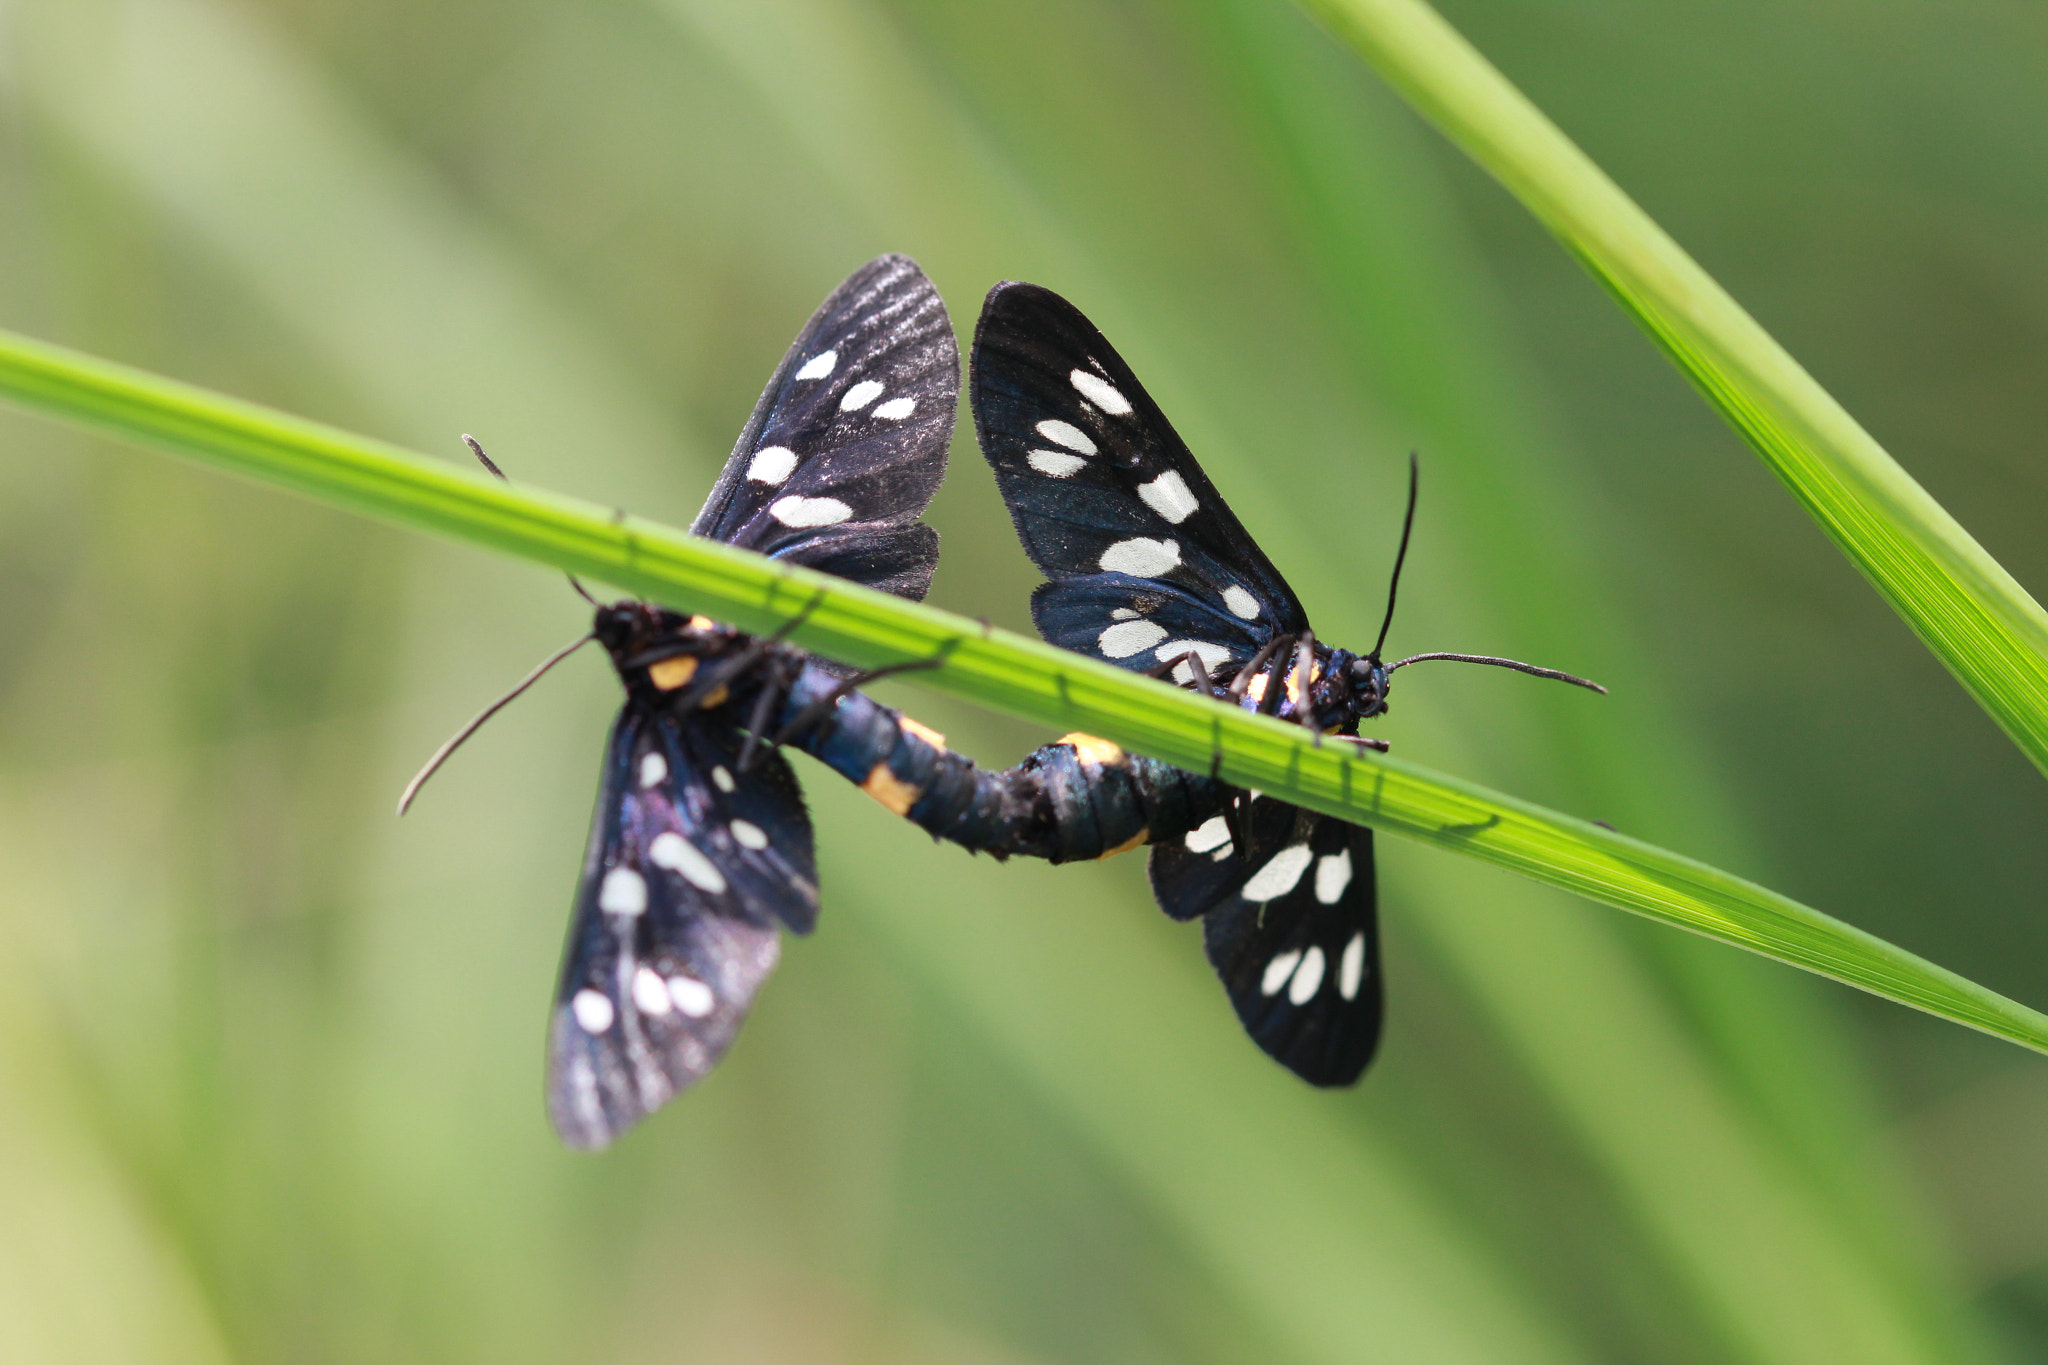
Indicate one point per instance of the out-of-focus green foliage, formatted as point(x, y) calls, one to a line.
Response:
point(269, 1059)
point(982, 663)
point(1963, 604)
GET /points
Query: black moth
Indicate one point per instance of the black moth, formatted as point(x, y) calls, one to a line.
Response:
point(1149, 569)
point(700, 851)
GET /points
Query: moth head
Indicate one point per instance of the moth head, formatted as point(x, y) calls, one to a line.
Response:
point(639, 635)
point(1368, 679)
point(619, 625)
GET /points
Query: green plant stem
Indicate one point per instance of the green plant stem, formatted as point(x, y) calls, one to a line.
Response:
point(993, 667)
point(1962, 604)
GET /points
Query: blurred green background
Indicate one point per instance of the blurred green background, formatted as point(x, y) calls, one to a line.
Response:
point(270, 1059)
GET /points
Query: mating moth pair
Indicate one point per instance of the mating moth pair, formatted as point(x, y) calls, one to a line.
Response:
point(701, 850)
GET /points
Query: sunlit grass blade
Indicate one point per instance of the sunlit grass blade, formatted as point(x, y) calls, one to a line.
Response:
point(1964, 606)
point(994, 668)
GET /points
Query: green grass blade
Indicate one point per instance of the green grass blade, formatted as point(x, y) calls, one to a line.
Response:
point(1964, 606)
point(992, 667)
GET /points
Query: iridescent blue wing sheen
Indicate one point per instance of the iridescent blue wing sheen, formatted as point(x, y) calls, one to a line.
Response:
point(693, 870)
point(848, 442)
point(1291, 925)
point(1107, 498)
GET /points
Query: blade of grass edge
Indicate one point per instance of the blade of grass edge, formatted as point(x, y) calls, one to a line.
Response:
point(994, 668)
point(1983, 626)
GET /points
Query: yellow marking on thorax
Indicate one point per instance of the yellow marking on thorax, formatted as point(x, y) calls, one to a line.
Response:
point(923, 732)
point(669, 674)
point(892, 791)
point(1257, 689)
point(1294, 683)
point(1127, 845)
point(1094, 749)
point(701, 623)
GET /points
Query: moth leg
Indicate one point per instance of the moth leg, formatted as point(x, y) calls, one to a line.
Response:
point(1242, 683)
point(1240, 828)
point(1304, 677)
point(822, 707)
point(782, 632)
point(737, 666)
point(1198, 670)
point(711, 679)
point(1236, 810)
point(1269, 701)
point(774, 687)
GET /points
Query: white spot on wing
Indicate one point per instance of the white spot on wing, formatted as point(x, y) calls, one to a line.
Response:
point(1056, 464)
point(624, 892)
point(1213, 833)
point(1333, 874)
point(749, 834)
point(1141, 558)
point(1351, 967)
point(860, 395)
point(1126, 638)
point(1307, 978)
point(650, 992)
point(721, 778)
point(1278, 970)
point(1279, 875)
point(1068, 435)
point(692, 996)
point(896, 409)
point(1241, 603)
point(653, 768)
point(819, 365)
point(672, 851)
point(593, 1012)
point(1100, 392)
point(1168, 495)
point(1123, 614)
point(802, 512)
point(772, 464)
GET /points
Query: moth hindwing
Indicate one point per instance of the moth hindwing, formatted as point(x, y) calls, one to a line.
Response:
point(1291, 926)
point(693, 867)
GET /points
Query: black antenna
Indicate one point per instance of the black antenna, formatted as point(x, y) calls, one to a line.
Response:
point(1554, 674)
point(476, 449)
point(1400, 556)
point(412, 788)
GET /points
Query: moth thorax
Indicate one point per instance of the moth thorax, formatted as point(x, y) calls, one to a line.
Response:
point(1256, 689)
